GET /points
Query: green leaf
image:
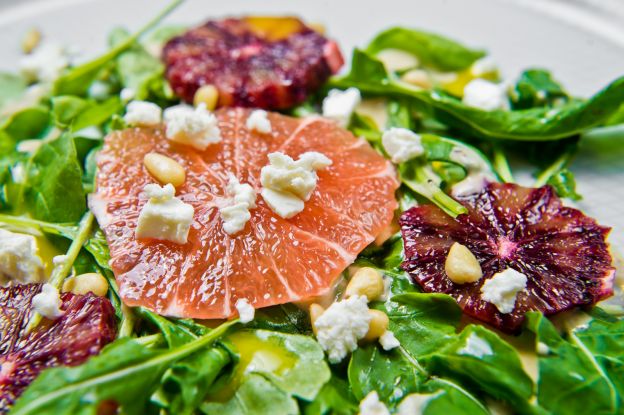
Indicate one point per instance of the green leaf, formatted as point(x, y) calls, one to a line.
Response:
point(26, 124)
point(186, 383)
point(432, 50)
point(572, 379)
point(442, 397)
point(12, 87)
point(294, 363)
point(65, 108)
point(423, 323)
point(481, 359)
point(56, 193)
point(392, 374)
point(256, 396)
point(334, 398)
point(98, 114)
point(285, 318)
point(537, 88)
point(125, 372)
point(536, 124)
point(174, 334)
point(564, 184)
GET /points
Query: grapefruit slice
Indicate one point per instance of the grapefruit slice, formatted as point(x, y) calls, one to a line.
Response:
point(272, 260)
point(562, 252)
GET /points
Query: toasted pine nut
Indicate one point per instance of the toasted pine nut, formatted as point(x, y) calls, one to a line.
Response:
point(31, 40)
point(418, 77)
point(85, 283)
point(207, 94)
point(366, 281)
point(315, 312)
point(461, 265)
point(164, 169)
point(378, 325)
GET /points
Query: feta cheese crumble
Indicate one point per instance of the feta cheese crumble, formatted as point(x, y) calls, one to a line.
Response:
point(236, 214)
point(371, 405)
point(503, 288)
point(340, 105)
point(542, 349)
point(341, 326)
point(164, 216)
point(245, 310)
point(486, 95)
point(143, 113)
point(287, 183)
point(19, 260)
point(478, 172)
point(258, 121)
point(195, 127)
point(45, 63)
point(388, 341)
point(417, 403)
point(402, 144)
point(48, 302)
point(127, 94)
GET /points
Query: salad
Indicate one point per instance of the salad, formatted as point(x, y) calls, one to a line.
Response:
point(224, 218)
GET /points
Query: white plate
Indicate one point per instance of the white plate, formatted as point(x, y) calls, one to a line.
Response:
point(585, 50)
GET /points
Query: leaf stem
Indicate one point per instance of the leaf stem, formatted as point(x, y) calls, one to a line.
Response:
point(421, 181)
point(501, 165)
point(24, 223)
point(562, 161)
point(62, 270)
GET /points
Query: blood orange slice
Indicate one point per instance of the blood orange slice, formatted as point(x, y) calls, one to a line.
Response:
point(273, 260)
point(87, 325)
point(562, 252)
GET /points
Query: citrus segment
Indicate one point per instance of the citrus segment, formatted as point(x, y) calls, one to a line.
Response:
point(272, 260)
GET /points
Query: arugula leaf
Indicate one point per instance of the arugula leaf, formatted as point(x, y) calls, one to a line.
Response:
point(537, 88)
point(335, 397)
point(55, 193)
point(484, 361)
point(564, 184)
point(432, 50)
point(255, 396)
point(285, 318)
point(174, 334)
point(126, 372)
point(571, 378)
point(536, 124)
point(65, 108)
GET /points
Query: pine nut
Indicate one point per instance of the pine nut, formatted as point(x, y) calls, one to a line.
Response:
point(378, 325)
point(207, 94)
point(85, 283)
point(366, 281)
point(164, 169)
point(31, 40)
point(418, 77)
point(315, 312)
point(461, 265)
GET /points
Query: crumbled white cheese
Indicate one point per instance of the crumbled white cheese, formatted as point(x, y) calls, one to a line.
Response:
point(288, 183)
point(45, 63)
point(340, 105)
point(99, 90)
point(341, 326)
point(48, 302)
point(192, 126)
point(371, 405)
point(245, 310)
point(127, 94)
point(143, 113)
point(236, 214)
point(476, 346)
point(284, 204)
point(19, 260)
point(486, 95)
point(388, 340)
point(416, 403)
point(18, 173)
point(164, 216)
point(59, 260)
point(542, 349)
point(472, 184)
point(402, 144)
point(483, 66)
point(258, 121)
point(468, 158)
point(503, 288)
